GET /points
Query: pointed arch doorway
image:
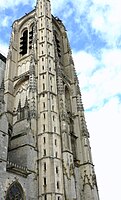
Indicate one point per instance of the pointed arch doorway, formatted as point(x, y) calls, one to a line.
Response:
point(15, 192)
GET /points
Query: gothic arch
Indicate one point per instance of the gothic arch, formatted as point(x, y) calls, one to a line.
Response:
point(26, 20)
point(15, 192)
point(31, 25)
point(21, 81)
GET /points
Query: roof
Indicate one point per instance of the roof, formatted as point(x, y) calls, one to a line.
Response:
point(3, 58)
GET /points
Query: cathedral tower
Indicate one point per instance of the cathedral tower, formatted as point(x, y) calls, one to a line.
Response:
point(48, 155)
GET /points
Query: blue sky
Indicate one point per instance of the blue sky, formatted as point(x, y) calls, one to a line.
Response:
point(94, 30)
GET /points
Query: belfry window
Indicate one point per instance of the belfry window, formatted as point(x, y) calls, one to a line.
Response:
point(24, 43)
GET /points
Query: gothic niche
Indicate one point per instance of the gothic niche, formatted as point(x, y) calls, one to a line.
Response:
point(23, 112)
point(15, 192)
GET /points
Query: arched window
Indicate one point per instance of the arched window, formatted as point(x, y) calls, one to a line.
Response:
point(24, 43)
point(15, 192)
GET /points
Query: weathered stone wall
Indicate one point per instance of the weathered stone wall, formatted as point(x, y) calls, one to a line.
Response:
point(28, 184)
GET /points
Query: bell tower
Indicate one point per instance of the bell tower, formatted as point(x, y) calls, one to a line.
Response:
point(48, 154)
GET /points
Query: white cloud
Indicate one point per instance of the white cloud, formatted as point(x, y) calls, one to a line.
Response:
point(5, 21)
point(105, 128)
point(13, 3)
point(85, 64)
point(58, 6)
point(99, 78)
point(112, 58)
point(3, 48)
point(104, 17)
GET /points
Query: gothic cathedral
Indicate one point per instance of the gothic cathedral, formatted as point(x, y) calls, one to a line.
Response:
point(45, 152)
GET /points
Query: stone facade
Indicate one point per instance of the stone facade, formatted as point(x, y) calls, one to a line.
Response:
point(45, 152)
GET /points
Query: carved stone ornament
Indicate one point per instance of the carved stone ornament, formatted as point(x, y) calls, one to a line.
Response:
point(65, 171)
point(87, 181)
point(94, 180)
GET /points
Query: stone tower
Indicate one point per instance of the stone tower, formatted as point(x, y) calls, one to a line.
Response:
point(47, 153)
